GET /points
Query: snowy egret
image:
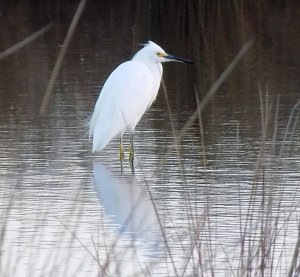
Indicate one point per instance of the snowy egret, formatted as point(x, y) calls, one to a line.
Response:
point(126, 95)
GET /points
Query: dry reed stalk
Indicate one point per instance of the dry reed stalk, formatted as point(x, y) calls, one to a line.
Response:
point(61, 56)
point(25, 42)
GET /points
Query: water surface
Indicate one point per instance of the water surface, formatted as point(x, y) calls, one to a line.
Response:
point(67, 212)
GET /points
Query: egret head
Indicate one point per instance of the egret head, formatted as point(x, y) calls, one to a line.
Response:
point(155, 54)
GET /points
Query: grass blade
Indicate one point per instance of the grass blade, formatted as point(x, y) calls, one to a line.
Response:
point(25, 42)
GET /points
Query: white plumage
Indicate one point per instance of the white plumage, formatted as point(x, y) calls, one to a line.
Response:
point(127, 94)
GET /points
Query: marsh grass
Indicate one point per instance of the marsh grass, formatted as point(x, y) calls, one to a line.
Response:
point(61, 56)
point(264, 246)
point(264, 243)
point(25, 41)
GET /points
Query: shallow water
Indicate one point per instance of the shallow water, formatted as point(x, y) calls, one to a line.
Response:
point(67, 212)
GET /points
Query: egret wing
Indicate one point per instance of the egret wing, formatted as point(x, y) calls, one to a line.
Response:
point(124, 98)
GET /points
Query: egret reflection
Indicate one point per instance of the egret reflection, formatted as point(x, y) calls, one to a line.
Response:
point(129, 207)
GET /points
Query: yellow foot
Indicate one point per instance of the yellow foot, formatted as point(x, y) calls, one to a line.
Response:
point(121, 150)
point(131, 153)
point(131, 158)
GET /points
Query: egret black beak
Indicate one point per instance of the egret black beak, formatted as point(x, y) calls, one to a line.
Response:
point(178, 59)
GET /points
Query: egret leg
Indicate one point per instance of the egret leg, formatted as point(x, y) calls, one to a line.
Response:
point(131, 153)
point(121, 150)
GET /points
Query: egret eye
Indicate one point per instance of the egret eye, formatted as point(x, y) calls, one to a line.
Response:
point(111, 116)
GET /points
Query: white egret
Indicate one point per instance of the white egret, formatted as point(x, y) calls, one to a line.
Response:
point(126, 95)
